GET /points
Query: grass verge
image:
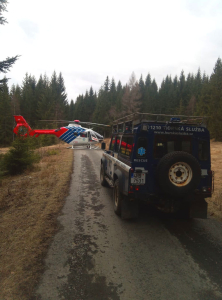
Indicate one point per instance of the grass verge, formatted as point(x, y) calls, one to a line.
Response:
point(215, 203)
point(29, 207)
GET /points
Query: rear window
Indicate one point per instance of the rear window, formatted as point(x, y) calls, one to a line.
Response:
point(114, 144)
point(164, 144)
point(117, 143)
point(126, 146)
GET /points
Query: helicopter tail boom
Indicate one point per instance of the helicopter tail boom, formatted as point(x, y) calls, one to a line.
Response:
point(23, 129)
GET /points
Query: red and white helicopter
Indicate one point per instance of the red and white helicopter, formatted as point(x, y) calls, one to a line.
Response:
point(73, 134)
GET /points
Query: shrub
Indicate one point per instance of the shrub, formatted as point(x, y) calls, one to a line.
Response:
point(20, 157)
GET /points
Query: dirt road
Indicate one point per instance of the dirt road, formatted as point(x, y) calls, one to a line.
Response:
point(98, 256)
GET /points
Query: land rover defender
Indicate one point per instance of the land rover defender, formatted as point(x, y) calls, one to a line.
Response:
point(166, 163)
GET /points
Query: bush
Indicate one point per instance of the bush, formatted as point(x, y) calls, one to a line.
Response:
point(20, 157)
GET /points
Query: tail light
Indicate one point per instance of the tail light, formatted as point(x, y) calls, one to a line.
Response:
point(206, 189)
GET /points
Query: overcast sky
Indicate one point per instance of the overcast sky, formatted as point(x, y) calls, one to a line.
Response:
point(88, 40)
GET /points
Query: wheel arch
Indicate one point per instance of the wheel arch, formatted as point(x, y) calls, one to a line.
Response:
point(118, 175)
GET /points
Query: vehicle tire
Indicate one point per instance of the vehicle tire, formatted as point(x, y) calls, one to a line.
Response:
point(178, 173)
point(102, 176)
point(117, 198)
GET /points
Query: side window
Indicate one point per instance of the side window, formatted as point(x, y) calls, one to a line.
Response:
point(141, 147)
point(203, 151)
point(126, 146)
point(112, 143)
point(118, 138)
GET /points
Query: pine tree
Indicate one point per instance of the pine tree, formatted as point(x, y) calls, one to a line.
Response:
point(79, 107)
point(103, 106)
point(15, 94)
point(150, 100)
point(142, 92)
point(71, 110)
point(119, 95)
point(148, 80)
point(6, 64)
point(92, 103)
point(28, 104)
point(59, 97)
point(215, 107)
point(131, 98)
point(45, 106)
point(166, 96)
point(113, 92)
point(107, 84)
point(6, 119)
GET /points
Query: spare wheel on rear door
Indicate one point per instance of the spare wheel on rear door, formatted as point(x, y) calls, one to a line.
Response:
point(178, 173)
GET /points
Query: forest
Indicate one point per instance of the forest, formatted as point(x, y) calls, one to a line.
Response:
point(46, 98)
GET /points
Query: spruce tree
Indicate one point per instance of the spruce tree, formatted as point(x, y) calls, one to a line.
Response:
point(142, 92)
point(215, 107)
point(6, 119)
point(131, 98)
point(71, 110)
point(6, 64)
point(15, 94)
point(28, 103)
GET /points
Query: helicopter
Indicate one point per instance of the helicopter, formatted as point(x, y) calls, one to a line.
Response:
point(74, 134)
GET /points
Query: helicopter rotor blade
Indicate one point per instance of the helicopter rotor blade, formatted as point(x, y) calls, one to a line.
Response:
point(55, 121)
point(94, 124)
point(87, 123)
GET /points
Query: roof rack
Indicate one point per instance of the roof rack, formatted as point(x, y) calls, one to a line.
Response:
point(128, 122)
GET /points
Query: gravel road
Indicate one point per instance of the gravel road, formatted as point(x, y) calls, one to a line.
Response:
point(97, 256)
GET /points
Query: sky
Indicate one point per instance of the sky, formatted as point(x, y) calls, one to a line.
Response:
point(88, 40)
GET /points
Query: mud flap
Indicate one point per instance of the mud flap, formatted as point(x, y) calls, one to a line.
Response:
point(198, 209)
point(129, 208)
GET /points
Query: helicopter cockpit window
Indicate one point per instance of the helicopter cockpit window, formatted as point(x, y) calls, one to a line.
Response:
point(83, 134)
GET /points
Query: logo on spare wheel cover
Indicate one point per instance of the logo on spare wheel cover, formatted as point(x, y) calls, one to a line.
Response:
point(141, 151)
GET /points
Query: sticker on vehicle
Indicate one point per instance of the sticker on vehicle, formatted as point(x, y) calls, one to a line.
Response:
point(141, 151)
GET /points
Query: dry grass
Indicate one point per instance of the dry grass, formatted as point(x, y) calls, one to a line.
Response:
point(4, 150)
point(215, 203)
point(107, 142)
point(29, 206)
